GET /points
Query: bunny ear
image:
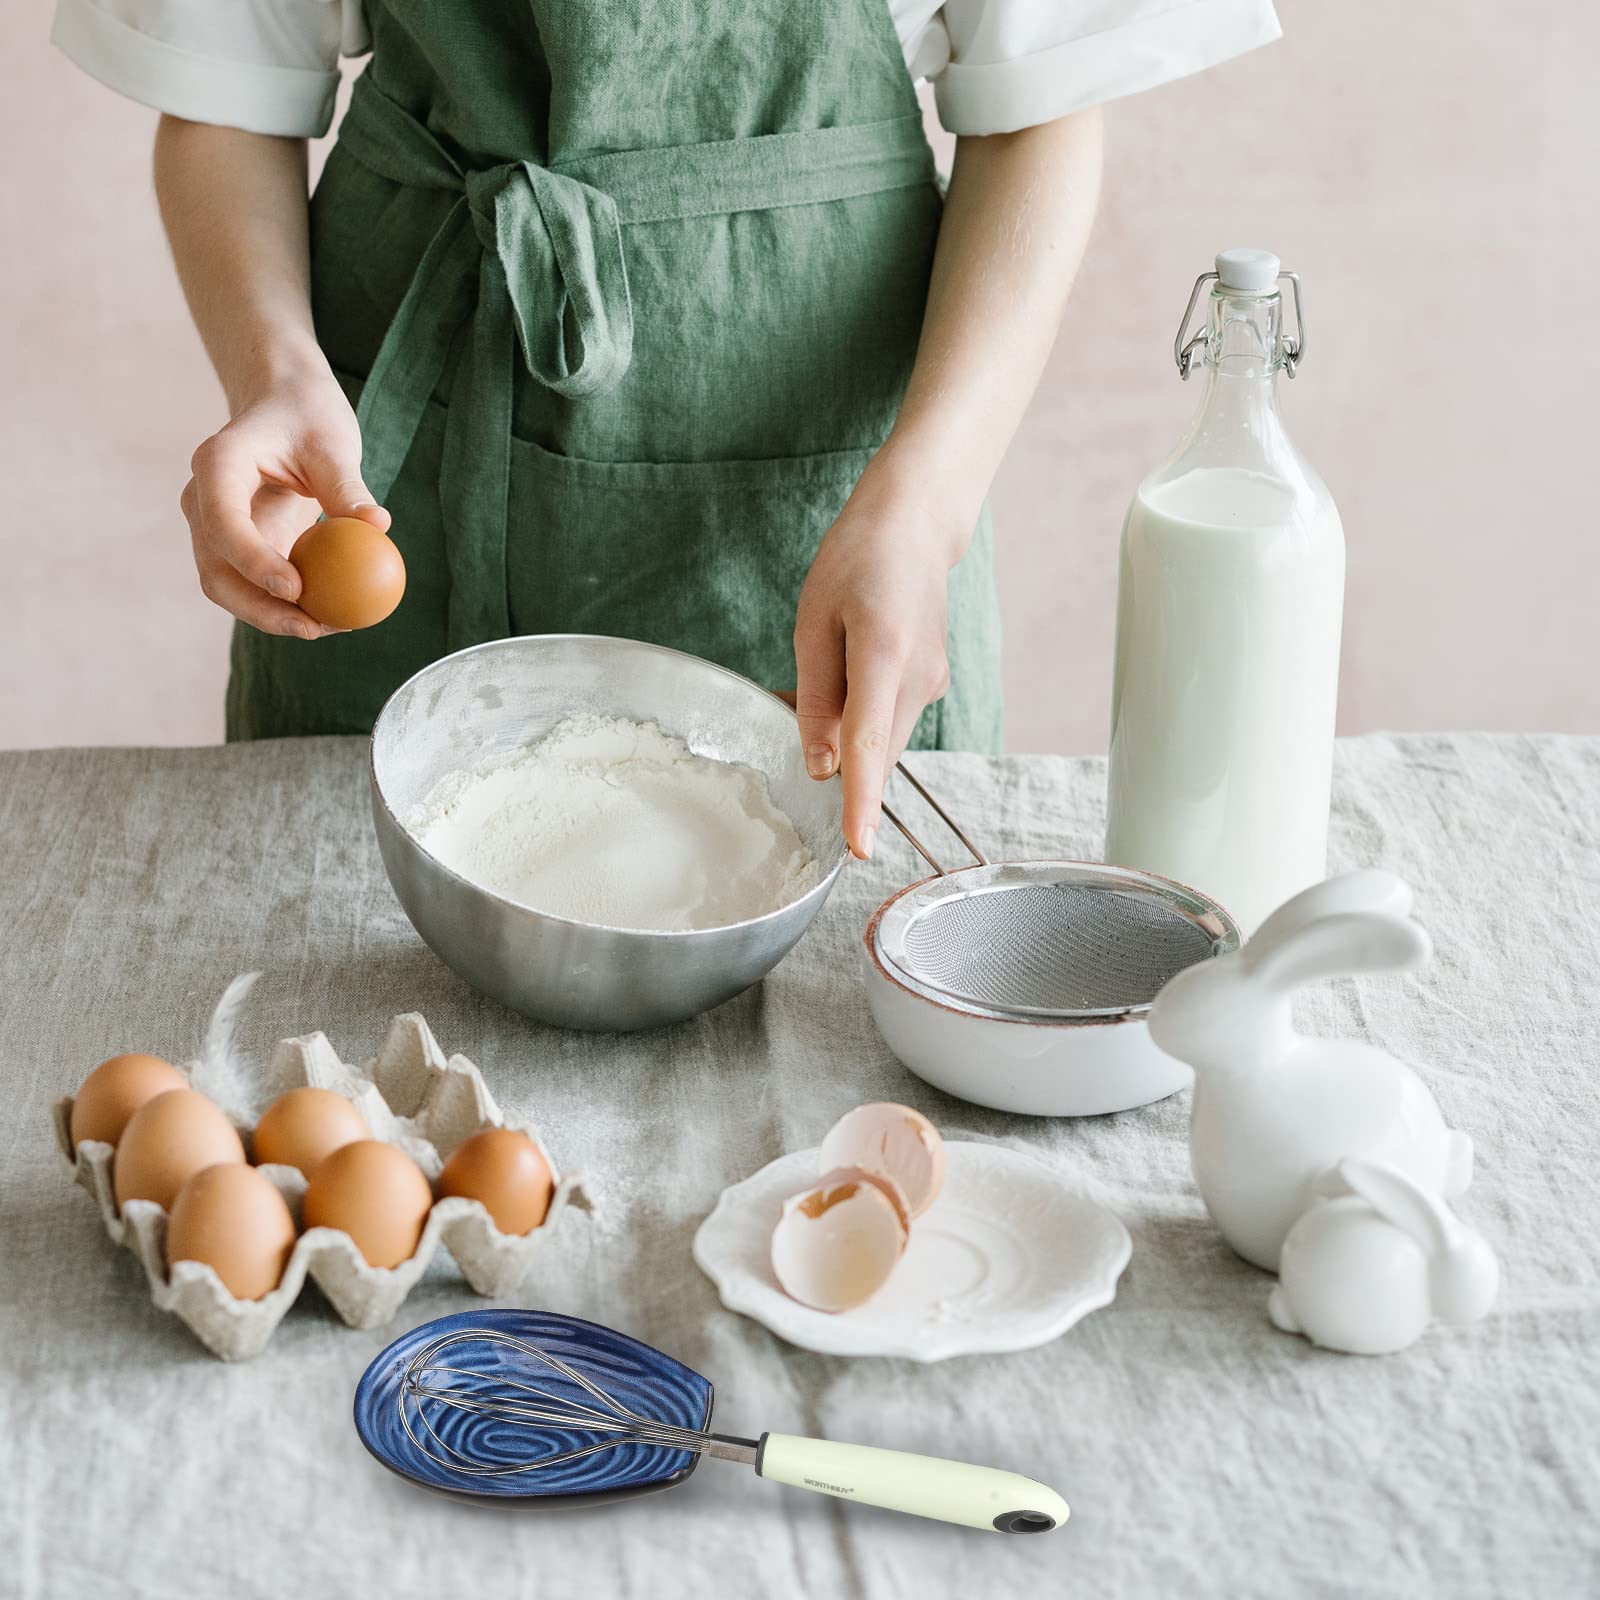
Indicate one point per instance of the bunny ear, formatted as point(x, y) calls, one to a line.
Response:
point(1401, 1203)
point(1337, 946)
point(1371, 889)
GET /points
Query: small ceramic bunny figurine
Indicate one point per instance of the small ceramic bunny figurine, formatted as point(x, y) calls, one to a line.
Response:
point(1275, 1109)
point(1367, 1270)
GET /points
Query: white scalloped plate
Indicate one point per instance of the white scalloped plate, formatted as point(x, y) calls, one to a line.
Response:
point(1005, 1259)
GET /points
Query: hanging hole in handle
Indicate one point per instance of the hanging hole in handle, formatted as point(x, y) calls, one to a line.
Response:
point(1024, 1522)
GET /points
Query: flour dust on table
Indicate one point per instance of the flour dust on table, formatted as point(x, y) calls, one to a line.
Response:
point(618, 823)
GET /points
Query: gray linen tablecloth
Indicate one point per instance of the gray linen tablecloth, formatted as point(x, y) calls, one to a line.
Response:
point(1203, 1453)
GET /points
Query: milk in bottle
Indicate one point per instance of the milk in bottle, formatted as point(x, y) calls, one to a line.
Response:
point(1229, 599)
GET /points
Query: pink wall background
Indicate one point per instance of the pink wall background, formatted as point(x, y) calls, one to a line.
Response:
point(1428, 169)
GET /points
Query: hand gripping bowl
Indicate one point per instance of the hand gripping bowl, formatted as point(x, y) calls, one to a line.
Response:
point(499, 697)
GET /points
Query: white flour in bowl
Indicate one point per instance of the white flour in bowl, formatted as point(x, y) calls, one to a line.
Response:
point(611, 821)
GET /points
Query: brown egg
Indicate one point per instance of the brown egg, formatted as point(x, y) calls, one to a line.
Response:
point(168, 1140)
point(231, 1218)
point(352, 574)
point(503, 1169)
point(301, 1127)
point(374, 1192)
point(115, 1090)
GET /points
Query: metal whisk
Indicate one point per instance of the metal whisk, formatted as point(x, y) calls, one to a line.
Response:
point(457, 1385)
point(527, 1405)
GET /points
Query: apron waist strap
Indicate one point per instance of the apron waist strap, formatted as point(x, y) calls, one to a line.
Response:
point(760, 173)
point(534, 255)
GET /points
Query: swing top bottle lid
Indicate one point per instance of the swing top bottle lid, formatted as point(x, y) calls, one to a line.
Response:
point(1249, 271)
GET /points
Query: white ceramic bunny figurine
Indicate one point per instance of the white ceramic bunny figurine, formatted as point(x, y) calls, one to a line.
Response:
point(1367, 1270)
point(1275, 1109)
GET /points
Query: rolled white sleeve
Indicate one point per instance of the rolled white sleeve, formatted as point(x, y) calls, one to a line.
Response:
point(1015, 63)
point(267, 66)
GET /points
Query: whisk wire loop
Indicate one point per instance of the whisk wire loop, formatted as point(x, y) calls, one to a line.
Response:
point(500, 1398)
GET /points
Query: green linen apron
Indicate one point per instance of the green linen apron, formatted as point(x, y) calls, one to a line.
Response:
point(627, 293)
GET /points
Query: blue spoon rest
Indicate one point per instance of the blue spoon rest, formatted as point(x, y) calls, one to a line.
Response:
point(640, 1377)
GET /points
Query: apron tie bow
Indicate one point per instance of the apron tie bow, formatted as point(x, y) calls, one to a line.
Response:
point(558, 245)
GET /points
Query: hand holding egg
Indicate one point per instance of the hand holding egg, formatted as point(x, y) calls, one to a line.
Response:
point(351, 574)
point(295, 443)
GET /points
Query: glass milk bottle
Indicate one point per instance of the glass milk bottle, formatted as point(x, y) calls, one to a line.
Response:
point(1229, 599)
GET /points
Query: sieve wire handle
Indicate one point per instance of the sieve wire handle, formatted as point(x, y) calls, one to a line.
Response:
point(940, 812)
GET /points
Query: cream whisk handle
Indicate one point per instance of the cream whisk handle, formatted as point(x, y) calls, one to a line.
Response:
point(924, 1486)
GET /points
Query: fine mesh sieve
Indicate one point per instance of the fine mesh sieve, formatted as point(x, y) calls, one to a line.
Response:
point(1049, 940)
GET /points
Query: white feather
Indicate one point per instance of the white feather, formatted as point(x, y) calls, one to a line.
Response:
point(219, 1072)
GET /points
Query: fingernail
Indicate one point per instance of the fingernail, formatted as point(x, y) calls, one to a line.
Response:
point(819, 760)
point(281, 587)
point(868, 839)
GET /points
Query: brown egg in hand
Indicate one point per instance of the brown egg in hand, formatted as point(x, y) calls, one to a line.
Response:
point(234, 1220)
point(377, 1194)
point(302, 1127)
point(116, 1089)
point(351, 573)
point(168, 1140)
point(506, 1171)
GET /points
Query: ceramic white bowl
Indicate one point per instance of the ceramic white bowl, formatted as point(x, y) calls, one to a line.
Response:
point(1006, 1258)
point(1094, 1063)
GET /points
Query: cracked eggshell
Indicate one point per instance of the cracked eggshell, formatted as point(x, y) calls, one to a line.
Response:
point(894, 1142)
point(411, 1095)
point(836, 1243)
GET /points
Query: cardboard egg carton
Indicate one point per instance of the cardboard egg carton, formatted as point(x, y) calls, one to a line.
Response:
point(412, 1096)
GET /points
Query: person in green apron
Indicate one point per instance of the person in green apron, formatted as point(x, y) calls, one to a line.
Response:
point(644, 319)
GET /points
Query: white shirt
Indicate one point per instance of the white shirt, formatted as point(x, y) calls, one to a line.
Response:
point(272, 66)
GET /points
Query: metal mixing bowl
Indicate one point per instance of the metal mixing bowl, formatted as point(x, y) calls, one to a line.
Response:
point(498, 697)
